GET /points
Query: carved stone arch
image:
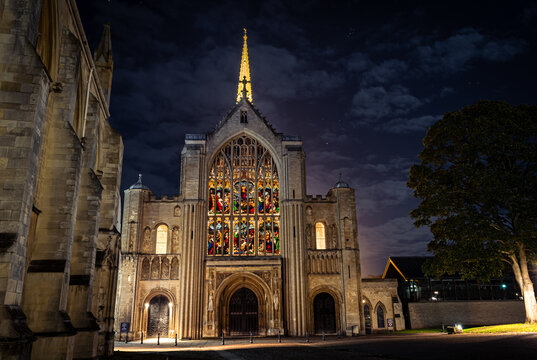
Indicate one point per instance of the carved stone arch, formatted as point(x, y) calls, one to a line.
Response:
point(155, 268)
point(132, 236)
point(146, 268)
point(368, 323)
point(155, 236)
point(147, 241)
point(365, 301)
point(347, 231)
point(155, 227)
point(160, 291)
point(233, 283)
point(175, 241)
point(338, 301)
point(246, 132)
point(165, 268)
point(326, 230)
point(333, 237)
point(378, 321)
point(174, 268)
point(310, 236)
point(173, 309)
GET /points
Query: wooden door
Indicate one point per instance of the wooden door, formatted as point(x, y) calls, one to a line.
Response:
point(243, 313)
point(159, 316)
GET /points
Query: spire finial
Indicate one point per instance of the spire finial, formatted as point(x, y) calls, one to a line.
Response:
point(245, 84)
point(103, 54)
point(139, 178)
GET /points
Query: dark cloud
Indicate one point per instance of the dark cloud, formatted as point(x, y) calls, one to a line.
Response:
point(358, 62)
point(386, 72)
point(360, 83)
point(455, 53)
point(376, 102)
point(406, 125)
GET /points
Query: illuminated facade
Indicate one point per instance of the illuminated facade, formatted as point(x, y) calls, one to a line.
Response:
point(242, 248)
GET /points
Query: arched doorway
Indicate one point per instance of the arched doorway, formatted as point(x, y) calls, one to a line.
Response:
point(243, 312)
point(158, 316)
point(324, 313)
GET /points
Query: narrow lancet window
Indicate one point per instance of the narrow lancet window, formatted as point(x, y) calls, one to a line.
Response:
point(320, 238)
point(162, 239)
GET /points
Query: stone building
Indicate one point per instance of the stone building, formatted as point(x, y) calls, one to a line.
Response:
point(243, 248)
point(60, 171)
point(381, 305)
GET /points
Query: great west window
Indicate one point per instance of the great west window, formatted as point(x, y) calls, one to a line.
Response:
point(244, 202)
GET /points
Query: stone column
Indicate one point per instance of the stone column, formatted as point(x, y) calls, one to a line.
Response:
point(293, 250)
point(193, 189)
point(350, 259)
point(131, 244)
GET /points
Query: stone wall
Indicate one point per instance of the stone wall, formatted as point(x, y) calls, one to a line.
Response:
point(434, 314)
point(60, 166)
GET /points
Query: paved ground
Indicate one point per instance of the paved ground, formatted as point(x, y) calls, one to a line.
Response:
point(421, 346)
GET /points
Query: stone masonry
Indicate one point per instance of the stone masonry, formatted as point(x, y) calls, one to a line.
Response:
point(60, 170)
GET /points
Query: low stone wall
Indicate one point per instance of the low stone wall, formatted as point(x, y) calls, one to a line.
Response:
point(434, 314)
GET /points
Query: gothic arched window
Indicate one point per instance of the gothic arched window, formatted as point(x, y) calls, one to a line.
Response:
point(162, 239)
point(320, 236)
point(380, 317)
point(244, 202)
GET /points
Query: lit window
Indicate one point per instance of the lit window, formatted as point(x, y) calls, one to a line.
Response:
point(244, 208)
point(320, 236)
point(162, 239)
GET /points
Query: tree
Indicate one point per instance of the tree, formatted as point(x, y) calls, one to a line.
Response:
point(477, 183)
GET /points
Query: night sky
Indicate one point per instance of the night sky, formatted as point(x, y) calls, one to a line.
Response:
point(359, 81)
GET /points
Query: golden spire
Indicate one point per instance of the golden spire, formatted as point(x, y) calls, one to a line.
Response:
point(245, 84)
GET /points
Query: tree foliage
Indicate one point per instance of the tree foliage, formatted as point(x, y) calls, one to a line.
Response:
point(477, 182)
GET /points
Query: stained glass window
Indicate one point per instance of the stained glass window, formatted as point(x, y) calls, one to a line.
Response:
point(244, 207)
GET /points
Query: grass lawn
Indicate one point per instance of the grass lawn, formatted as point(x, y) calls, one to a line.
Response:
point(419, 331)
point(508, 328)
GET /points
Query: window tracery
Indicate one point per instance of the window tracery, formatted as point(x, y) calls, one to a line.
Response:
point(243, 210)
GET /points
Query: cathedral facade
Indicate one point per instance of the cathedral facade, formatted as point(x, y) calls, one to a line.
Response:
point(243, 248)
